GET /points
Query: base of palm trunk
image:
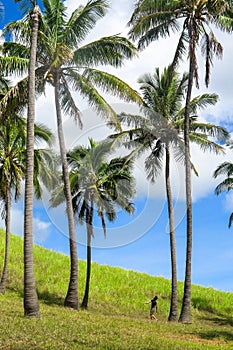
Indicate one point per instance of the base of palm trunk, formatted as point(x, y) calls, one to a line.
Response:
point(73, 304)
point(33, 314)
point(2, 290)
point(185, 320)
point(173, 318)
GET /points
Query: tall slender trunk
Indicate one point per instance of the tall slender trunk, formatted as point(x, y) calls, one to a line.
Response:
point(71, 299)
point(173, 315)
point(186, 303)
point(7, 243)
point(31, 304)
point(89, 219)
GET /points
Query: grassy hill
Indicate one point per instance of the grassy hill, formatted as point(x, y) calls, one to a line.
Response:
point(117, 317)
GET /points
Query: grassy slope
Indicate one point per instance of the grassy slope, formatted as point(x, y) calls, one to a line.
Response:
point(117, 317)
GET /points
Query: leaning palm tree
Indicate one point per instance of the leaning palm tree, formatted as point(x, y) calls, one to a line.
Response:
point(13, 169)
point(159, 131)
point(100, 185)
point(226, 168)
point(31, 304)
point(63, 62)
point(193, 19)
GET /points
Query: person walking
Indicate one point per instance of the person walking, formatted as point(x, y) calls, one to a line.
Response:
point(153, 308)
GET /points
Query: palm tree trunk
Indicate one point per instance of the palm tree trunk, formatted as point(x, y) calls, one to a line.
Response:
point(173, 315)
point(7, 243)
point(89, 219)
point(186, 303)
point(71, 299)
point(88, 272)
point(31, 304)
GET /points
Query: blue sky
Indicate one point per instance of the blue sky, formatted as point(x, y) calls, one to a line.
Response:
point(142, 242)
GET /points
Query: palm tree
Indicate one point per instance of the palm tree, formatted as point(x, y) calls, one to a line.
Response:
point(97, 185)
point(193, 19)
point(226, 168)
point(13, 168)
point(159, 132)
point(31, 304)
point(61, 62)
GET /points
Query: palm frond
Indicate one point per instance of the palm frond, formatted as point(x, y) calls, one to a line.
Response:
point(15, 50)
point(45, 165)
point(13, 65)
point(68, 103)
point(54, 15)
point(83, 19)
point(225, 168)
point(43, 133)
point(224, 186)
point(206, 145)
point(112, 50)
point(154, 162)
point(203, 101)
point(16, 97)
point(112, 84)
point(181, 50)
point(149, 15)
point(96, 101)
point(57, 196)
point(230, 220)
point(208, 129)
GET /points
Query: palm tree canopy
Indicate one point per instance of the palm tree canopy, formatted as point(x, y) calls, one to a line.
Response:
point(162, 122)
point(225, 168)
point(93, 178)
point(152, 20)
point(60, 54)
point(13, 158)
point(26, 5)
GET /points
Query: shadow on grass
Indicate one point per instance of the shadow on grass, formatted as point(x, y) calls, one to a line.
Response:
point(202, 304)
point(220, 320)
point(45, 296)
point(216, 335)
point(50, 299)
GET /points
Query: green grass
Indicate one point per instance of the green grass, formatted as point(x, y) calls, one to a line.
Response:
point(117, 317)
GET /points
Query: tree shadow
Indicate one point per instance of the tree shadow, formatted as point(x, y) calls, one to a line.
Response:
point(202, 304)
point(220, 320)
point(214, 316)
point(50, 299)
point(216, 335)
point(45, 296)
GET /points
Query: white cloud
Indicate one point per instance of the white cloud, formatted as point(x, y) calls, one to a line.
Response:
point(41, 229)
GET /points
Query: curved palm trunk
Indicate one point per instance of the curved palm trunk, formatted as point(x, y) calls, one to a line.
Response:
point(31, 304)
point(173, 315)
point(89, 219)
point(7, 243)
point(71, 299)
point(186, 303)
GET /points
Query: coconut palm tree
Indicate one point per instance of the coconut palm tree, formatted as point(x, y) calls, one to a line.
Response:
point(63, 62)
point(226, 168)
point(194, 20)
point(97, 185)
point(13, 169)
point(31, 304)
point(159, 131)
